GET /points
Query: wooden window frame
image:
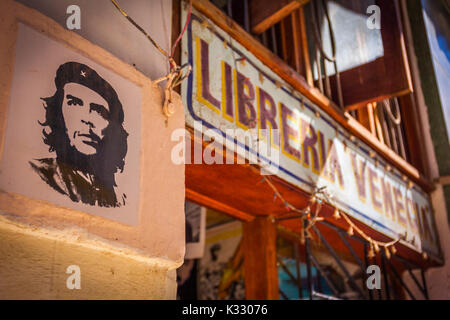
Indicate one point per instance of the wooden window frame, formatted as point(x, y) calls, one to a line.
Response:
point(395, 59)
point(383, 78)
point(263, 17)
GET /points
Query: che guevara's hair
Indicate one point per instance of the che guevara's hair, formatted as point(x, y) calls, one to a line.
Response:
point(112, 149)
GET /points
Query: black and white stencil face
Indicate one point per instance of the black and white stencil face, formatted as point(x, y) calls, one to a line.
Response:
point(84, 129)
point(73, 137)
point(86, 116)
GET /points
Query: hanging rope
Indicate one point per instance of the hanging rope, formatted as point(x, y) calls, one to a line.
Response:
point(375, 245)
point(188, 19)
point(175, 76)
point(143, 31)
point(316, 32)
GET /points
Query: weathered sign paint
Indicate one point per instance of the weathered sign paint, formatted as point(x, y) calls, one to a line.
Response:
point(230, 88)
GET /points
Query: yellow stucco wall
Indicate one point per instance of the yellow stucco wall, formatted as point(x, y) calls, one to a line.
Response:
point(33, 265)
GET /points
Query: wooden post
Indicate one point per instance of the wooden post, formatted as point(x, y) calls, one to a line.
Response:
point(304, 43)
point(260, 259)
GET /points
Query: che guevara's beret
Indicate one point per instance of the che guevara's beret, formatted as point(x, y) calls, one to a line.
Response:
point(76, 72)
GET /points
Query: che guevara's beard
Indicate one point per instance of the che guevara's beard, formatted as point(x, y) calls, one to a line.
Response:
point(95, 164)
point(92, 140)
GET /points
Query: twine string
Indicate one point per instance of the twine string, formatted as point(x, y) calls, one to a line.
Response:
point(175, 76)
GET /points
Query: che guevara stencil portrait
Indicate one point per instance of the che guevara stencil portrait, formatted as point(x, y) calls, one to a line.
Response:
point(84, 127)
point(73, 131)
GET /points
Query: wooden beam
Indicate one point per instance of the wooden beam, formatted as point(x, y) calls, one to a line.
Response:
point(363, 116)
point(410, 124)
point(445, 180)
point(366, 117)
point(176, 29)
point(370, 111)
point(203, 200)
point(266, 13)
point(260, 259)
point(287, 41)
point(284, 29)
point(304, 44)
point(296, 35)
